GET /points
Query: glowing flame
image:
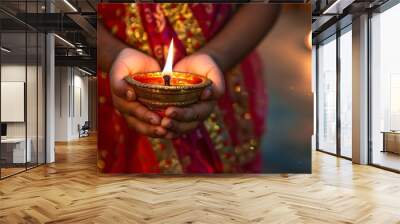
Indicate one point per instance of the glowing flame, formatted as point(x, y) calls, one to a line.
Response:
point(170, 59)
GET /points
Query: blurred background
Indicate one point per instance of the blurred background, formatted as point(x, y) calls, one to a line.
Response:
point(286, 56)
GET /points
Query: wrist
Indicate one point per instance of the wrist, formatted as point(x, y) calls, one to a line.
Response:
point(213, 55)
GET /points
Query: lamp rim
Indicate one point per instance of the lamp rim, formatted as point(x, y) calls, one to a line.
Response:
point(204, 81)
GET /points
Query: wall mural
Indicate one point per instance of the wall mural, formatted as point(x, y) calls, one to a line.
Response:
point(204, 88)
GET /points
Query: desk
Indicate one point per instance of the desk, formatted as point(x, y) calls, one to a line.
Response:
point(13, 150)
point(391, 141)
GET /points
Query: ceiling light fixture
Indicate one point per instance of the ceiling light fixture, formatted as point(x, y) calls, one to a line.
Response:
point(326, 11)
point(64, 40)
point(337, 7)
point(5, 50)
point(70, 5)
point(84, 71)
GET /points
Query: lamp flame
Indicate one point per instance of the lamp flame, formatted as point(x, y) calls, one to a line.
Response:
point(170, 59)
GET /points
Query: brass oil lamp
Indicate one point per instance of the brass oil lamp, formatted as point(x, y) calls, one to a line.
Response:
point(159, 90)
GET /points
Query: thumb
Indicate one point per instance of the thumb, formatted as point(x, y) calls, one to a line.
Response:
point(118, 85)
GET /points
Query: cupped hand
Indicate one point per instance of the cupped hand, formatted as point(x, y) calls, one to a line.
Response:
point(180, 120)
point(137, 116)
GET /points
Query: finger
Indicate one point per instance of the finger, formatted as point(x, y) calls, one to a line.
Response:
point(166, 123)
point(218, 83)
point(129, 61)
point(130, 95)
point(137, 62)
point(117, 83)
point(178, 127)
point(143, 128)
point(150, 65)
point(211, 71)
point(171, 135)
point(136, 109)
point(182, 65)
point(195, 112)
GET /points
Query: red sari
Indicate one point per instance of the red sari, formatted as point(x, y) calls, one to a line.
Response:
point(226, 142)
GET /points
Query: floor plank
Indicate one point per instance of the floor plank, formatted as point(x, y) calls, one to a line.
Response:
point(71, 191)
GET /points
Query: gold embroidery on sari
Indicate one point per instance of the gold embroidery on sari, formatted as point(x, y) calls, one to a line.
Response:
point(135, 33)
point(220, 138)
point(160, 19)
point(185, 25)
point(249, 145)
point(168, 161)
point(230, 155)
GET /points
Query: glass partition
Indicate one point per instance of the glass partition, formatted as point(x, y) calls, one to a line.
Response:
point(31, 97)
point(385, 89)
point(346, 93)
point(41, 97)
point(22, 89)
point(15, 150)
point(327, 95)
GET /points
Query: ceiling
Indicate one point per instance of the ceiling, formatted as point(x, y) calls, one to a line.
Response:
point(75, 24)
point(75, 21)
point(332, 15)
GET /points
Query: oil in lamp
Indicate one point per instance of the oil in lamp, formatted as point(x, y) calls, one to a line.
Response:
point(159, 90)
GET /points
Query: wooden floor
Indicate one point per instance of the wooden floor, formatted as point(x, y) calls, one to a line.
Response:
point(10, 171)
point(71, 191)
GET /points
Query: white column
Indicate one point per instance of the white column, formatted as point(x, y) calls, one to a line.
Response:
point(360, 89)
point(50, 92)
point(50, 98)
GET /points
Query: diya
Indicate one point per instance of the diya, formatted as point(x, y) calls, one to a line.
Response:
point(159, 90)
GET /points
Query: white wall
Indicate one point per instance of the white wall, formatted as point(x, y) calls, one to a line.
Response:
point(71, 94)
point(61, 103)
point(13, 73)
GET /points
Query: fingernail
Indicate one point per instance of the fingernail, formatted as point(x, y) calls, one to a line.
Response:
point(159, 132)
point(173, 114)
point(169, 124)
point(129, 95)
point(153, 120)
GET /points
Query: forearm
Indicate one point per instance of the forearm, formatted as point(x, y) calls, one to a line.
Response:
point(241, 35)
point(109, 47)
